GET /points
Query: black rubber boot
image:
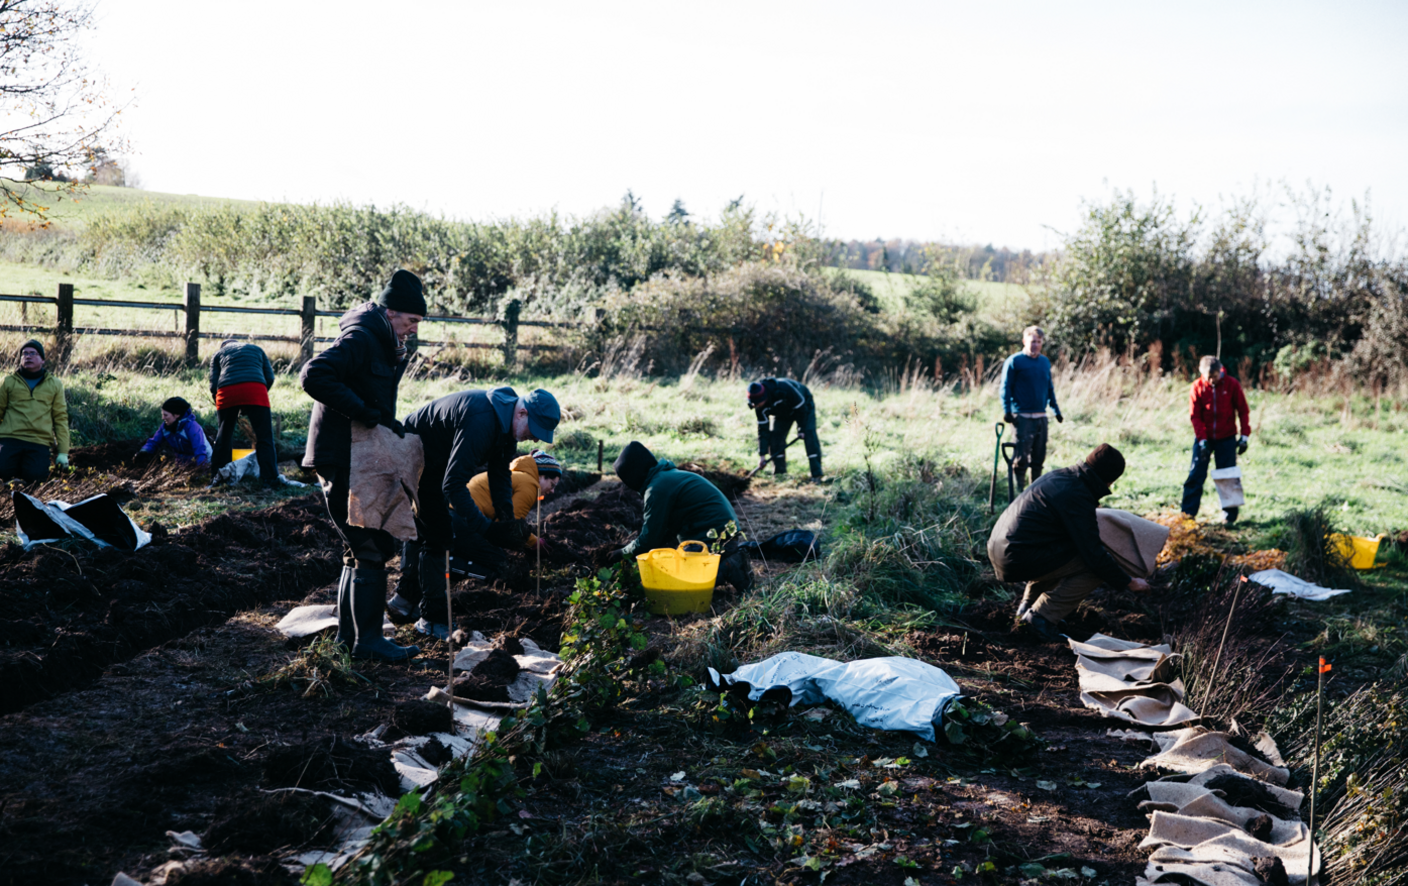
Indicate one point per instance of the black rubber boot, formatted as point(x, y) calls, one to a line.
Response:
point(346, 627)
point(404, 605)
point(368, 592)
point(734, 569)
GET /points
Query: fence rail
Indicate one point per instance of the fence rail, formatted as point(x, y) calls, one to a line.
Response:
point(64, 331)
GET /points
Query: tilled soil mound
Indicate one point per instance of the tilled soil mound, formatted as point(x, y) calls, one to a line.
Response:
point(68, 613)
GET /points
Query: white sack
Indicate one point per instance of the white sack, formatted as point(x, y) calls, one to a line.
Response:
point(246, 466)
point(1228, 482)
point(1284, 583)
point(883, 693)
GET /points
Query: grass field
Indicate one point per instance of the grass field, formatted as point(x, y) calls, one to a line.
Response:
point(74, 211)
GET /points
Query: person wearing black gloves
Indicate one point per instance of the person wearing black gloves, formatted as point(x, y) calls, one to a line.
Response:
point(355, 379)
point(1049, 538)
point(779, 403)
point(463, 434)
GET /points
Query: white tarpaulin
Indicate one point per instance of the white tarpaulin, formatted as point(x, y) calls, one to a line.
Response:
point(99, 519)
point(883, 693)
point(1284, 583)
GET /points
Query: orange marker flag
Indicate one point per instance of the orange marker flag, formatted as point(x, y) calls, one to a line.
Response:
point(1324, 668)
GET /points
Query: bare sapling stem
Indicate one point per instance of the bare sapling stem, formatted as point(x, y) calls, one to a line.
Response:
point(539, 545)
point(1212, 675)
point(449, 623)
point(1315, 762)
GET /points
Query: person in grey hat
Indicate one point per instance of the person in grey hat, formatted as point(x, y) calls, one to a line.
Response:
point(464, 433)
point(356, 379)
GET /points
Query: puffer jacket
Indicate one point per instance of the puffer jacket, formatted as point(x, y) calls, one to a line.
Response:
point(1215, 407)
point(188, 441)
point(1051, 523)
point(355, 378)
point(37, 416)
point(679, 506)
point(238, 363)
point(524, 474)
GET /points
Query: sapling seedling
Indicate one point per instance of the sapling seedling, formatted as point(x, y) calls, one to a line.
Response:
point(1315, 761)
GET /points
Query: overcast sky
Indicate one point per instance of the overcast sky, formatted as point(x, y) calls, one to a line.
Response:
point(961, 122)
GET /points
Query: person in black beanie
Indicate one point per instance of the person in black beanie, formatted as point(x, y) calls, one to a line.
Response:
point(33, 415)
point(1049, 538)
point(356, 379)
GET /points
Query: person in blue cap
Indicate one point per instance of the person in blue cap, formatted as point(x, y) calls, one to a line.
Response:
point(779, 403)
point(463, 433)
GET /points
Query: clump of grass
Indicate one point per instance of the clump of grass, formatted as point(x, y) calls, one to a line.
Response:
point(1311, 553)
point(318, 669)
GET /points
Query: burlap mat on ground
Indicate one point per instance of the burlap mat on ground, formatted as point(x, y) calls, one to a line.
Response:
point(383, 480)
point(1195, 749)
point(1130, 681)
point(1134, 542)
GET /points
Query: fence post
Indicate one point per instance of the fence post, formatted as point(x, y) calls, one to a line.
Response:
point(63, 326)
point(308, 320)
point(511, 332)
point(192, 323)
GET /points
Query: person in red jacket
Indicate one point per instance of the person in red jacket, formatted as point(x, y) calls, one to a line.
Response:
point(1215, 405)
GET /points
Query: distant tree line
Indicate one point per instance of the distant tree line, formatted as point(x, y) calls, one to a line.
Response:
point(917, 257)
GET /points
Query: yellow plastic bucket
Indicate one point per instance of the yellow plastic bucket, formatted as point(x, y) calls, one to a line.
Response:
point(1359, 551)
point(237, 454)
point(677, 581)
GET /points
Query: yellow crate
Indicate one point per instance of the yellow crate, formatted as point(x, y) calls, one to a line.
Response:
point(677, 581)
point(237, 454)
point(1357, 550)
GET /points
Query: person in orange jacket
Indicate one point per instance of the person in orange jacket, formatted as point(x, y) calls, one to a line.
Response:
point(534, 475)
point(1215, 405)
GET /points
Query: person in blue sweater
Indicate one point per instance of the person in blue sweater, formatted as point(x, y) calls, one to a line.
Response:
point(1026, 392)
point(179, 434)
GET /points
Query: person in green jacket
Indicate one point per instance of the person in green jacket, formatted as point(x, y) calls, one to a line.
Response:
point(679, 506)
point(33, 414)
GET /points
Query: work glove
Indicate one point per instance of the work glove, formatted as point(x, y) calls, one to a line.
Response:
point(61, 459)
point(762, 462)
point(369, 417)
point(507, 533)
point(1242, 444)
point(1009, 418)
point(1059, 417)
point(615, 556)
point(396, 428)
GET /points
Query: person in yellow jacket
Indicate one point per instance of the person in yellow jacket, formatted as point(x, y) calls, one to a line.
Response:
point(533, 476)
point(33, 415)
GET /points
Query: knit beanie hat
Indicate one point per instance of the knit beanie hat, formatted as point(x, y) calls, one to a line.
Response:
point(756, 394)
point(36, 344)
point(177, 406)
point(547, 465)
point(404, 293)
point(1107, 462)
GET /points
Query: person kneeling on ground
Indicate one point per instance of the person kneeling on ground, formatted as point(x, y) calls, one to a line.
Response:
point(33, 413)
point(1049, 538)
point(461, 432)
point(179, 434)
point(534, 476)
point(240, 378)
point(680, 506)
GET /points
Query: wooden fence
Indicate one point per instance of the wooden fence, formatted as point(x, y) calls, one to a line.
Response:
point(64, 331)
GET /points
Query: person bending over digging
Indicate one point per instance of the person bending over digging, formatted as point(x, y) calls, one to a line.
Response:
point(1215, 405)
point(179, 435)
point(1026, 392)
point(1048, 537)
point(355, 379)
point(534, 476)
point(240, 378)
point(680, 506)
point(779, 403)
point(462, 432)
point(33, 414)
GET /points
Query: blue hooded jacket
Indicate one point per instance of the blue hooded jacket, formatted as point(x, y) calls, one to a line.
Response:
point(187, 441)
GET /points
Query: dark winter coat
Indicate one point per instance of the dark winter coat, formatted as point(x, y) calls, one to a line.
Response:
point(463, 434)
point(1215, 407)
point(786, 400)
point(239, 363)
point(679, 506)
point(1051, 523)
point(355, 378)
point(187, 441)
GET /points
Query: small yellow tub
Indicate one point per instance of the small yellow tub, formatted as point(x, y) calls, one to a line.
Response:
point(237, 454)
point(1360, 552)
point(678, 581)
